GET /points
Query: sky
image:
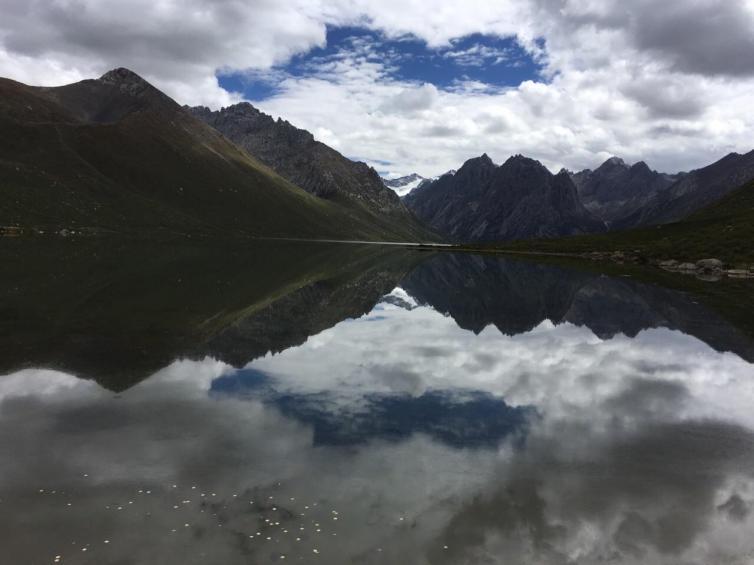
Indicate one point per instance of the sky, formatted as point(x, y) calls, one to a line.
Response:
point(423, 85)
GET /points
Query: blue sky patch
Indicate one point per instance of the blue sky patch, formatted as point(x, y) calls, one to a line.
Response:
point(493, 61)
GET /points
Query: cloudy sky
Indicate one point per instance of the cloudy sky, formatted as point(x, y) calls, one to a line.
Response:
point(420, 85)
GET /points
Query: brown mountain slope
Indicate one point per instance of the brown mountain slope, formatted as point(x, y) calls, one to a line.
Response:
point(116, 154)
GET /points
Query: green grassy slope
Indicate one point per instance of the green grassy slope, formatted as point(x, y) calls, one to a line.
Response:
point(154, 168)
point(724, 230)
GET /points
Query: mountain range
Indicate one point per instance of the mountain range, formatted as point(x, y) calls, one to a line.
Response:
point(693, 192)
point(519, 199)
point(616, 190)
point(115, 154)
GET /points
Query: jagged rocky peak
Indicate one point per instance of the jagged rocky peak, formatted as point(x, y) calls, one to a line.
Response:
point(615, 162)
point(641, 167)
point(519, 199)
point(130, 83)
point(616, 190)
point(523, 161)
point(613, 166)
point(483, 162)
point(486, 159)
point(116, 94)
point(524, 167)
point(121, 75)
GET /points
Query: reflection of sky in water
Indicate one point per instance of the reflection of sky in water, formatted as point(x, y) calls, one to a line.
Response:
point(394, 438)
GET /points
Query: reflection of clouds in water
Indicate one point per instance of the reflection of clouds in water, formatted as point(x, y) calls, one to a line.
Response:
point(560, 370)
point(467, 419)
point(647, 495)
point(642, 453)
point(389, 495)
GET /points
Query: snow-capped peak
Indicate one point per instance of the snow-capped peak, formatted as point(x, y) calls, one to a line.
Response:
point(404, 185)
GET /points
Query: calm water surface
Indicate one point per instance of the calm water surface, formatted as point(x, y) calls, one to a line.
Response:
point(362, 405)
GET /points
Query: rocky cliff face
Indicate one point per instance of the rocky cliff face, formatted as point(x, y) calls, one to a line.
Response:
point(616, 190)
point(520, 199)
point(295, 155)
point(693, 191)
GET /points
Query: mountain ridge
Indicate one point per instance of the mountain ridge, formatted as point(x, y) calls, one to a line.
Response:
point(615, 190)
point(693, 192)
point(298, 157)
point(519, 199)
point(116, 155)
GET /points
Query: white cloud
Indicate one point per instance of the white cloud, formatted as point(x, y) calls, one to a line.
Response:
point(671, 84)
point(411, 100)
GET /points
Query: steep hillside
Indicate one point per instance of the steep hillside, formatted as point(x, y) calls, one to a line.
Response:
point(693, 192)
point(520, 199)
point(295, 155)
point(117, 155)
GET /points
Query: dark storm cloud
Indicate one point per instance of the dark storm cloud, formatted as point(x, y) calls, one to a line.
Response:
point(709, 37)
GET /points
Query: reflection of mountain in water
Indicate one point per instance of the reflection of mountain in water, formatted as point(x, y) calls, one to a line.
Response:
point(118, 314)
point(471, 419)
point(516, 296)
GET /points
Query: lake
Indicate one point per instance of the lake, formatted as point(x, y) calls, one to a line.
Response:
point(354, 404)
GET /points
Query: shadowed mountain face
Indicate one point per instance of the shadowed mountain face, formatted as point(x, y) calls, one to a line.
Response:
point(693, 192)
point(295, 155)
point(615, 190)
point(117, 155)
point(520, 199)
point(517, 296)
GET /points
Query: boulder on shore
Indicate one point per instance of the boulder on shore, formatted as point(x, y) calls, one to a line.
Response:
point(710, 265)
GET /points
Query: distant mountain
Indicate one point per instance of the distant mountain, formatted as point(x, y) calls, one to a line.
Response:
point(616, 190)
point(520, 199)
point(723, 230)
point(424, 184)
point(693, 192)
point(295, 155)
point(117, 155)
point(403, 185)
